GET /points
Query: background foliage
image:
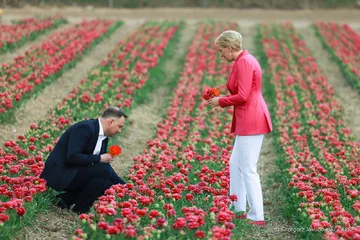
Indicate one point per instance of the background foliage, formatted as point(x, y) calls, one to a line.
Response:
point(263, 4)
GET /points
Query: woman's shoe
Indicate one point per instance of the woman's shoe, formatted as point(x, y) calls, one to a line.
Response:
point(259, 223)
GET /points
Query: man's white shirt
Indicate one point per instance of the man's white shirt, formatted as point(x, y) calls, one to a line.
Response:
point(99, 140)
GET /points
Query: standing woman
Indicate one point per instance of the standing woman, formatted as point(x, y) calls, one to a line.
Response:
point(251, 120)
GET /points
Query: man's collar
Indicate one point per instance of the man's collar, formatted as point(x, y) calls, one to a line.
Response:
point(101, 130)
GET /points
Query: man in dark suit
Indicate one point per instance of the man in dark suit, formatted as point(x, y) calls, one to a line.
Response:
point(79, 162)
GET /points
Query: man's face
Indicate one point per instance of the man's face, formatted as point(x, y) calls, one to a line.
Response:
point(115, 126)
point(225, 53)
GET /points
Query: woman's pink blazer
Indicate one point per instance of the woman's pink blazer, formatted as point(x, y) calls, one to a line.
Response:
point(251, 115)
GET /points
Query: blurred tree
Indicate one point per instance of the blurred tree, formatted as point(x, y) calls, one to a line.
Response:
point(262, 4)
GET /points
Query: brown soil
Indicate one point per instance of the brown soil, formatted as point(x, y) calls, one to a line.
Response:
point(36, 108)
point(55, 224)
point(347, 96)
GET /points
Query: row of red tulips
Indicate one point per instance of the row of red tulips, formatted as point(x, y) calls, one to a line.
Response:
point(177, 189)
point(43, 63)
point(319, 153)
point(115, 79)
point(343, 43)
point(16, 34)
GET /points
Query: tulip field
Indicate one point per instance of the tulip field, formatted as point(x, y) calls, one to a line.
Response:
point(178, 186)
point(42, 64)
point(317, 148)
point(344, 46)
point(14, 35)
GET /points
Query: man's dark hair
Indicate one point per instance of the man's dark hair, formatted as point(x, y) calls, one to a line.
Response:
point(113, 112)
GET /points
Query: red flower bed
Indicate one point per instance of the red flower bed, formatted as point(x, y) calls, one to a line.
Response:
point(43, 63)
point(319, 153)
point(16, 34)
point(343, 43)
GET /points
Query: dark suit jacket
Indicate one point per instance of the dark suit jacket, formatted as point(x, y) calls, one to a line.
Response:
point(74, 149)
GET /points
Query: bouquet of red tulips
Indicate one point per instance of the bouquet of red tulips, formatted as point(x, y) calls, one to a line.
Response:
point(210, 93)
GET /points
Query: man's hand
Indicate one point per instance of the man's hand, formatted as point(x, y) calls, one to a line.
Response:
point(106, 158)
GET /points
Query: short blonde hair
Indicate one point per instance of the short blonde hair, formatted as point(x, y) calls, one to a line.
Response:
point(231, 39)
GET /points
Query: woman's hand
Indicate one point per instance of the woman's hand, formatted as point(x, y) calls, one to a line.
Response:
point(214, 102)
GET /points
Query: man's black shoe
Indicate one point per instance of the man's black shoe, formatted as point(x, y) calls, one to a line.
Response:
point(81, 210)
point(59, 202)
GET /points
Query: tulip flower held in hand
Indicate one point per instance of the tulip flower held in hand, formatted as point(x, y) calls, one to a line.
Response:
point(210, 93)
point(115, 150)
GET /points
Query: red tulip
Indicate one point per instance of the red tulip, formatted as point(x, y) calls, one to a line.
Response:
point(179, 223)
point(20, 211)
point(200, 234)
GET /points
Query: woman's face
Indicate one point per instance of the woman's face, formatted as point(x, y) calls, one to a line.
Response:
point(226, 53)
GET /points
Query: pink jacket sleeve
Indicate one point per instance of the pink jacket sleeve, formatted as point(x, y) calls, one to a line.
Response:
point(244, 77)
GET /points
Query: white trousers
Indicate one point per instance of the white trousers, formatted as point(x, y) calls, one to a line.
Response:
point(244, 179)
